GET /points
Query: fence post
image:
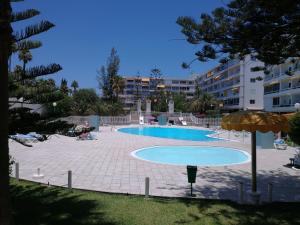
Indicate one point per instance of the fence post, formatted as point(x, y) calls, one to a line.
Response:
point(147, 187)
point(70, 179)
point(241, 192)
point(270, 192)
point(17, 171)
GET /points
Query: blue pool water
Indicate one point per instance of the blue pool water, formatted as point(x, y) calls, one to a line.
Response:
point(193, 155)
point(173, 133)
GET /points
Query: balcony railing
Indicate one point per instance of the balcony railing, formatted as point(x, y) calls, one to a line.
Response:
point(271, 92)
point(282, 105)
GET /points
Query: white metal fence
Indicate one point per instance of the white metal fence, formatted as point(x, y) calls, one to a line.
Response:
point(115, 120)
point(213, 121)
point(133, 117)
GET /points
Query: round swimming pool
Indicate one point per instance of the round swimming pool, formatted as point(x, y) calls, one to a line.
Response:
point(173, 133)
point(193, 155)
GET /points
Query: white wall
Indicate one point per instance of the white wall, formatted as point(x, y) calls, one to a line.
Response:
point(254, 90)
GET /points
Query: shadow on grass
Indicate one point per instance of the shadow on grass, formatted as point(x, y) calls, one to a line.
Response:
point(223, 184)
point(34, 204)
point(227, 212)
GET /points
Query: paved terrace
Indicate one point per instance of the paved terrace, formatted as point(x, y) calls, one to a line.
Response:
point(107, 165)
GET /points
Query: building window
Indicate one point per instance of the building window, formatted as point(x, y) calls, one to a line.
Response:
point(252, 101)
point(276, 101)
point(253, 58)
point(252, 80)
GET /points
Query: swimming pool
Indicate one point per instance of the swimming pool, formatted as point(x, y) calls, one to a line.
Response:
point(173, 133)
point(193, 155)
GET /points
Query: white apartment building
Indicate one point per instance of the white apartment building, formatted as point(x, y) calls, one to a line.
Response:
point(282, 87)
point(235, 85)
point(142, 88)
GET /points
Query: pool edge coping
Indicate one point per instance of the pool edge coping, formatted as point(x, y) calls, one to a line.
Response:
point(133, 154)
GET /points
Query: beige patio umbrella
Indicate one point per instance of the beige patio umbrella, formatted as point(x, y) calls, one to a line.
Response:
point(253, 121)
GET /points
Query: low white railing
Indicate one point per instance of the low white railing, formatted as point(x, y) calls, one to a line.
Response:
point(115, 120)
point(213, 121)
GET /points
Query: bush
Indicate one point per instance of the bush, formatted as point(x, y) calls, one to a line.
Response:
point(294, 124)
point(104, 108)
point(84, 101)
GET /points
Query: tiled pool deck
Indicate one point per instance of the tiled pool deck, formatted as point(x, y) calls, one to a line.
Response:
point(106, 165)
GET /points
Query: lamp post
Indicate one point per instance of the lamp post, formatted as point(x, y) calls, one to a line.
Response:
point(297, 107)
point(54, 105)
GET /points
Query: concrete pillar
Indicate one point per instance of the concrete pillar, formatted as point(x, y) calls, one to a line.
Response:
point(70, 179)
point(147, 187)
point(171, 106)
point(148, 106)
point(139, 106)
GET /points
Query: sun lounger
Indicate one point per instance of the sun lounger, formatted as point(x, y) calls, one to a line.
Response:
point(86, 136)
point(183, 122)
point(141, 120)
point(279, 144)
point(24, 139)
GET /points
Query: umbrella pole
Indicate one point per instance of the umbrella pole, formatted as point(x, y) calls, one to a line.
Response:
point(253, 160)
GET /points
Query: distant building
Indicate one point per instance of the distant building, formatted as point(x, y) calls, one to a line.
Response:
point(235, 85)
point(282, 87)
point(143, 87)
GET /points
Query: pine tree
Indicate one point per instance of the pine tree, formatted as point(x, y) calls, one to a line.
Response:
point(107, 77)
point(12, 42)
point(268, 30)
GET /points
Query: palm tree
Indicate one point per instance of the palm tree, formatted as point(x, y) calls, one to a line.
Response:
point(203, 102)
point(118, 86)
point(25, 56)
point(74, 85)
point(64, 86)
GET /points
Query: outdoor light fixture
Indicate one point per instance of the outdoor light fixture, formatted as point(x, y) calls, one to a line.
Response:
point(54, 104)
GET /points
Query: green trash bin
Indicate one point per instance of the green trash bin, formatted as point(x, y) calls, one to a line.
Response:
point(191, 172)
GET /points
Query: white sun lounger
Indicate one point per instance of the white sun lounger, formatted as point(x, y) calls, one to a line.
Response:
point(141, 120)
point(183, 122)
point(279, 144)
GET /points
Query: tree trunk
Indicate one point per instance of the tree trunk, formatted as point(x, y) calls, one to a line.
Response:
point(5, 44)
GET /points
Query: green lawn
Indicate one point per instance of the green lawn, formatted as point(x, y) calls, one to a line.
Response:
point(35, 204)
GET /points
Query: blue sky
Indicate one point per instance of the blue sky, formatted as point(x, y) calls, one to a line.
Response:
point(140, 30)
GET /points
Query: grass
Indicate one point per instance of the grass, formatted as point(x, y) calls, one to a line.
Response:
point(36, 204)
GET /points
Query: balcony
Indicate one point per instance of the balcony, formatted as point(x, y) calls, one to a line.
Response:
point(283, 72)
point(271, 92)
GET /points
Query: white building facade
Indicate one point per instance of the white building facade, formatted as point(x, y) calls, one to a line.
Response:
point(143, 87)
point(282, 87)
point(235, 85)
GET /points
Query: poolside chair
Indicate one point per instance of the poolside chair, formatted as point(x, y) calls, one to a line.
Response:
point(86, 136)
point(141, 120)
point(24, 139)
point(183, 122)
point(279, 144)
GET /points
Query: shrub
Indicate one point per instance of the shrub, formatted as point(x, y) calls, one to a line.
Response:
point(294, 124)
